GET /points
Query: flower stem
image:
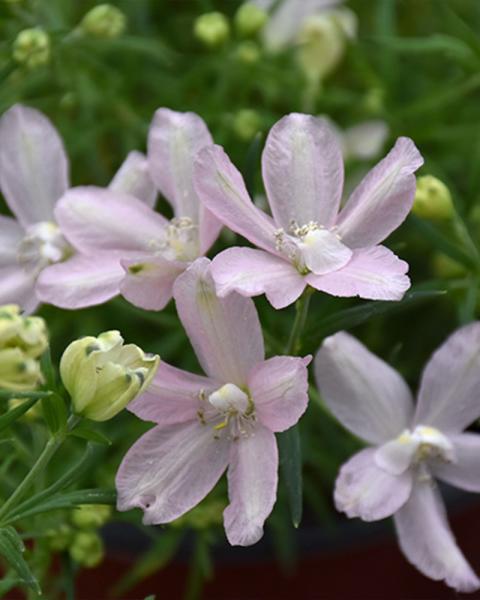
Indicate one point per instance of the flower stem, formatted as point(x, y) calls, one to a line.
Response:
point(294, 341)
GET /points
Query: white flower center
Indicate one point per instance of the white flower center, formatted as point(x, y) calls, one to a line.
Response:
point(180, 241)
point(42, 245)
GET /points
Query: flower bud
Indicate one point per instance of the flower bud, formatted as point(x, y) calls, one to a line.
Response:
point(60, 538)
point(18, 372)
point(207, 514)
point(87, 549)
point(247, 52)
point(32, 48)
point(246, 123)
point(249, 19)
point(212, 29)
point(102, 375)
point(91, 516)
point(27, 333)
point(104, 21)
point(432, 199)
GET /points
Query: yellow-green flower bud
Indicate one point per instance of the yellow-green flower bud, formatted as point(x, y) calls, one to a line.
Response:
point(91, 516)
point(206, 514)
point(102, 375)
point(27, 333)
point(32, 48)
point(212, 29)
point(249, 19)
point(247, 52)
point(432, 199)
point(104, 21)
point(87, 549)
point(246, 123)
point(60, 538)
point(18, 372)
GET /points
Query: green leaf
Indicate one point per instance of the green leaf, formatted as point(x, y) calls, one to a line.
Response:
point(8, 394)
point(252, 162)
point(12, 548)
point(15, 413)
point(291, 469)
point(55, 412)
point(47, 369)
point(86, 432)
point(438, 43)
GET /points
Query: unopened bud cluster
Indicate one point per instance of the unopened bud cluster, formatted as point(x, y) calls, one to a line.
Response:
point(31, 48)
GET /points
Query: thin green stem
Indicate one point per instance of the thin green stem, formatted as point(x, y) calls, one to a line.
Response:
point(303, 303)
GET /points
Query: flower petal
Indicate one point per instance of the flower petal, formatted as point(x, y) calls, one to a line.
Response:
point(302, 169)
point(365, 490)
point(10, 235)
point(208, 229)
point(171, 469)
point(427, 540)
point(133, 178)
point(33, 164)
point(148, 282)
point(173, 396)
point(252, 272)
point(372, 273)
point(464, 471)
point(252, 486)
point(448, 396)
point(365, 394)
point(323, 252)
point(279, 389)
point(81, 281)
point(17, 286)
point(383, 199)
point(96, 219)
point(225, 332)
point(222, 190)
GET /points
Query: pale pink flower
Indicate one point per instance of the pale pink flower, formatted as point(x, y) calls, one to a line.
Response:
point(310, 240)
point(206, 424)
point(34, 174)
point(411, 445)
point(126, 247)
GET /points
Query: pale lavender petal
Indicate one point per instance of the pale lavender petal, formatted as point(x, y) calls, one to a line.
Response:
point(17, 286)
point(148, 282)
point(225, 332)
point(396, 456)
point(372, 273)
point(302, 169)
point(174, 140)
point(365, 490)
point(323, 252)
point(208, 229)
point(449, 390)
point(133, 178)
point(252, 486)
point(33, 164)
point(279, 389)
point(10, 235)
point(365, 394)
point(174, 396)
point(464, 471)
point(97, 219)
point(383, 199)
point(427, 541)
point(81, 281)
point(222, 190)
point(169, 470)
point(252, 272)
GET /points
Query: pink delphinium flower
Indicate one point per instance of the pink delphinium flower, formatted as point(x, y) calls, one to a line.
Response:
point(34, 174)
point(412, 445)
point(126, 247)
point(310, 240)
point(208, 423)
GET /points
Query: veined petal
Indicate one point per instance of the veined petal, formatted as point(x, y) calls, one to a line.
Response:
point(81, 281)
point(383, 199)
point(10, 235)
point(372, 273)
point(208, 229)
point(222, 190)
point(225, 332)
point(396, 456)
point(464, 471)
point(97, 219)
point(365, 394)
point(302, 169)
point(252, 272)
point(323, 252)
point(171, 469)
point(279, 389)
point(427, 540)
point(365, 490)
point(17, 286)
point(148, 281)
point(449, 389)
point(133, 178)
point(174, 140)
point(174, 396)
point(33, 164)
point(252, 486)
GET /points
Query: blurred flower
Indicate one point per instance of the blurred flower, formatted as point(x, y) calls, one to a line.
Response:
point(310, 241)
point(412, 444)
point(87, 549)
point(212, 29)
point(362, 141)
point(432, 199)
point(127, 247)
point(102, 375)
point(206, 424)
point(247, 52)
point(104, 21)
point(32, 48)
point(92, 516)
point(246, 123)
point(249, 19)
